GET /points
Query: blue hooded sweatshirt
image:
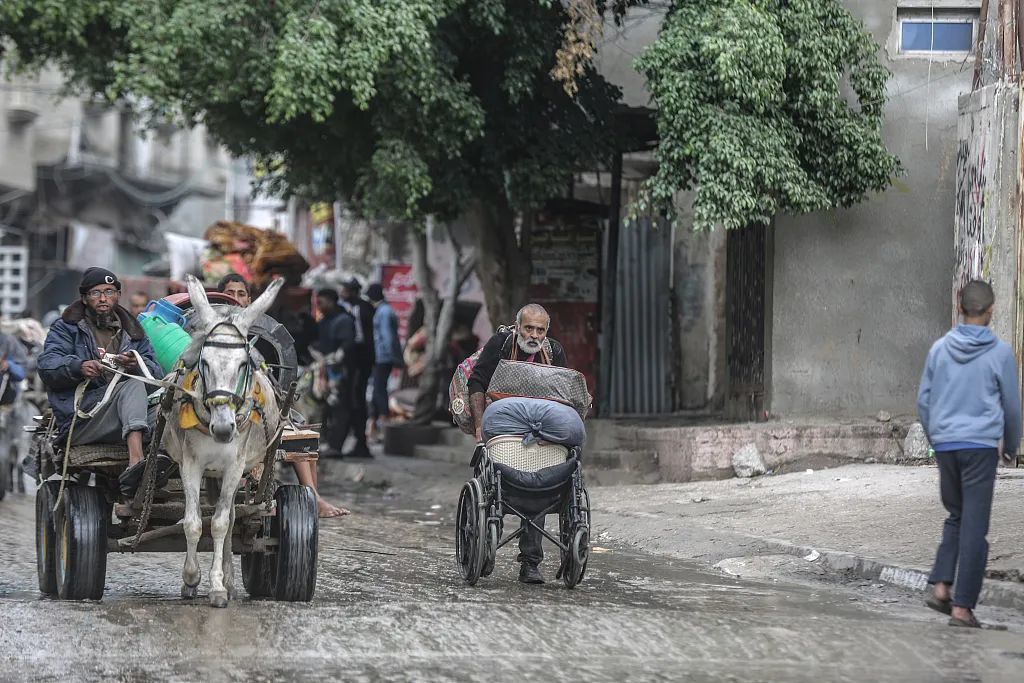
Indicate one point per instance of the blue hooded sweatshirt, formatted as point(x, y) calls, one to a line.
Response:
point(969, 392)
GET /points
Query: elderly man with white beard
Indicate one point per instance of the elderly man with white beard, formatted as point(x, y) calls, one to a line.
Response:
point(524, 343)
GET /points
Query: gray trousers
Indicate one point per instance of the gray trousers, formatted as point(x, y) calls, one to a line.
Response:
point(126, 411)
point(966, 481)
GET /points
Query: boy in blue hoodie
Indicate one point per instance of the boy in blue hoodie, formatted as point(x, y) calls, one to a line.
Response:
point(969, 400)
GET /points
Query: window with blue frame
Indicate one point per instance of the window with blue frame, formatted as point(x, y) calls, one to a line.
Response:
point(925, 31)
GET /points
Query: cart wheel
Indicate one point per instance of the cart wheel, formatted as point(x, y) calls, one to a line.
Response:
point(258, 575)
point(81, 542)
point(470, 543)
point(297, 530)
point(46, 564)
point(491, 551)
point(19, 473)
point(258, 570)
point(6, 466)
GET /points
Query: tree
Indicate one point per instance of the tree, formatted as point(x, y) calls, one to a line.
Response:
point(403, 108)
point(766, 106)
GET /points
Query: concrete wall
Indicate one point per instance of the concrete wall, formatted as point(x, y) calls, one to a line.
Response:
point(987, 229)
point(860, 294)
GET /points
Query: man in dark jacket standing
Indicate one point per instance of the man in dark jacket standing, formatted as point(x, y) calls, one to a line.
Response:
point(360, 362)
point(968, 402)
point(92, 328)
point(528, 342)
point(336, 339)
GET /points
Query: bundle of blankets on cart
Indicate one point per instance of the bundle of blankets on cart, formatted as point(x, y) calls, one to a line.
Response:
point(541, 403)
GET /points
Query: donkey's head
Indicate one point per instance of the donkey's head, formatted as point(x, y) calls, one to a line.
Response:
point(220, 352)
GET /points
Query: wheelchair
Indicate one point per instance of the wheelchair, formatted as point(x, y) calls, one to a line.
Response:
point(528, 482)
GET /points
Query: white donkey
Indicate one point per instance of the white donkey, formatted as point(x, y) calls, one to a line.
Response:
point(221, 438)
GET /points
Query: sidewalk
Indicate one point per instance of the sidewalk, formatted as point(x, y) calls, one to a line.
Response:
point(874, 521)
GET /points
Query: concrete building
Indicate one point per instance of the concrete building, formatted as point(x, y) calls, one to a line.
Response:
point(81, 184)
point(827, 314)
point(859, 295)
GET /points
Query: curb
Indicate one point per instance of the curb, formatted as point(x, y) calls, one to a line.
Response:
point(994, 592)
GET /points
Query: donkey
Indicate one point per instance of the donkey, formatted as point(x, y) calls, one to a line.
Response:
point(218, 434)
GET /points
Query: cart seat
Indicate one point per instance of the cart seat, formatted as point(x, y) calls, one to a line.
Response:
point(88, 454)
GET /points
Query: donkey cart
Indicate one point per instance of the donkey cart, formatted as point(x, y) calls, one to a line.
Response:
point(81, 517)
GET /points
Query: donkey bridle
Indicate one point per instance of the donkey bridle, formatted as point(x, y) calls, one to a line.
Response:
point(219, 396)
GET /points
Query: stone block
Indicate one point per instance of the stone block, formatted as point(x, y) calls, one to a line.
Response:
point(747, 461)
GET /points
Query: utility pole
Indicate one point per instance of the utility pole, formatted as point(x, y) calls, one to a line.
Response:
point(609, 289)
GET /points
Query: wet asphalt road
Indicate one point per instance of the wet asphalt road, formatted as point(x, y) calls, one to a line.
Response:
point(390, 606)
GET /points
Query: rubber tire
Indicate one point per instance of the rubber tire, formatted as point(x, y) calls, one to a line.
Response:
point(46, 538)
point(6, 465)
point(571, 572)
point(470, 520)
point(81, 542)
point(297, 530)
point(258, 574)
point(491, 551)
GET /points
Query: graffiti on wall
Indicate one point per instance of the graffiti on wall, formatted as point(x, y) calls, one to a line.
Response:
point(973, 236)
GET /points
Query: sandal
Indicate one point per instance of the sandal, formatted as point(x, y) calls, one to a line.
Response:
point(974, 623)
point(129, 480)
point(941, 606)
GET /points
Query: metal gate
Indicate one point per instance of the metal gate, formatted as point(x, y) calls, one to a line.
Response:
point(746, 306)
point(641, 366)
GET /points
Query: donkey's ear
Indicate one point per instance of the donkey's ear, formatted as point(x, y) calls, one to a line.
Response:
point(247, 316)
point(205, 316)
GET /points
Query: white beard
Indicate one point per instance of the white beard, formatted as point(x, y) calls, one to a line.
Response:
point(528, 346)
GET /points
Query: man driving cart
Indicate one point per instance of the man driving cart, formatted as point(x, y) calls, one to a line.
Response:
point(94, 329)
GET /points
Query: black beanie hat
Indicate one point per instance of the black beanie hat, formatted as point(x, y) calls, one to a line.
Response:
point(97, 276)
point(375, 292)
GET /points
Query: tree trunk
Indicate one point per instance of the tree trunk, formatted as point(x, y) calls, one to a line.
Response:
point(503, 262)
point(426, 395)
point(438, 316)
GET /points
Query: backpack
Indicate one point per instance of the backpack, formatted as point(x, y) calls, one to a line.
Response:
point(458, 390)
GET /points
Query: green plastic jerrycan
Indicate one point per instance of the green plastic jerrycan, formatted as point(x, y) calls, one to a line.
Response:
point(169, 340)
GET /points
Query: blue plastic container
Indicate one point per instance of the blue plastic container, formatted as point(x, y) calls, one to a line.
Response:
point(164, 310)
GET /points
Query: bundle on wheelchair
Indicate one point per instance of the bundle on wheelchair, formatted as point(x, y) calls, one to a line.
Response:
point(517, 475)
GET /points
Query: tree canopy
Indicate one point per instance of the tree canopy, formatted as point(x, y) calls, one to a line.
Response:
point(482, 108)
point(404, 107)
point(766, 107)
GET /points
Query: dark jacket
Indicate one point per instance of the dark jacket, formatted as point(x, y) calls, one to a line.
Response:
point(337, 332)
point(363, 354)
point(499, 347)
point(71, 341)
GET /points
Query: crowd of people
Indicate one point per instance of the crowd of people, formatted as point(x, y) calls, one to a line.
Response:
point(357, 340)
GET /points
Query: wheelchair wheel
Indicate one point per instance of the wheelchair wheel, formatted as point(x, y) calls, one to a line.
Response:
point(470, 523)
point(491, 551)
point(574, 533)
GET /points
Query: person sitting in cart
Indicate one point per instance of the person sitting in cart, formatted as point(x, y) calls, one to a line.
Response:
point(236, 286)
point(528, 342)
point(94, 327)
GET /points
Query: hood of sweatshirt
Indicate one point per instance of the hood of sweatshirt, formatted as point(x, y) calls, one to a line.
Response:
point(967, 342)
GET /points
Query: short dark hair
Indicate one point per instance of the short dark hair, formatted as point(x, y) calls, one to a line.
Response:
point(228, 279)
point(139, 292)
point(976, 298)
point(327, 293)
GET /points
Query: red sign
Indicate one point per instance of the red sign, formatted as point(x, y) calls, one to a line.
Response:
point(399, 291)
